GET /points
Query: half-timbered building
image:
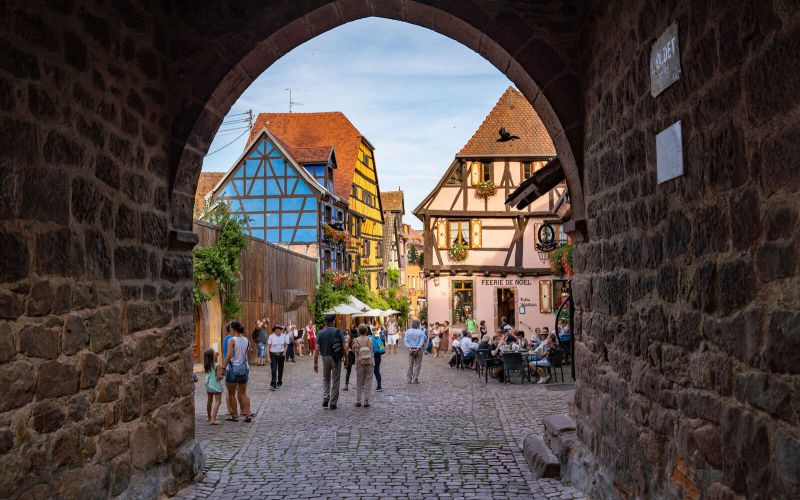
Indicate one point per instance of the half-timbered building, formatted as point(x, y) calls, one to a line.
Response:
point(480, 254)
point(286, 197)
point(355, 180)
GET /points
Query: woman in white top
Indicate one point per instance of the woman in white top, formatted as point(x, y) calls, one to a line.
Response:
point(277, 354)
point(238, 372)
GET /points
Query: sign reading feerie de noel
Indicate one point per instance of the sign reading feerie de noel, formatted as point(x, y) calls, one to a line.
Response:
point(665, 61)
point(506, 282)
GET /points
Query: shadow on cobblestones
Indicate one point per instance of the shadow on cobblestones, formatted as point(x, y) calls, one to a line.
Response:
point(451, 436)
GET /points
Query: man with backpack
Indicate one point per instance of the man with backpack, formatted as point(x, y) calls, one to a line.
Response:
point(330, 345)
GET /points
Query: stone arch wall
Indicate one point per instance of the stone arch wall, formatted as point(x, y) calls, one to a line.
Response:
point(534, 47)
point(687, 320)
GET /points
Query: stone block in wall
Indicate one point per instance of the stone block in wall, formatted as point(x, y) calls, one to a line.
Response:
point(38, 341)
point(113, 443)
point(786, 464)
point(130, 404)
point(18, 380)
point(104, 328)
point(87, 482)
point(188, 461)
point(56, 379)
point(147, 315)
point(146, 445)
point(8, 348)
point(176, 422)
point(782, 351)
point(47, 416)
point(91, 366)
point(745, 448)
point(119, 475)
point(122, 358)
point(40, 300)
point(74, 336)
point(65, 448)
point(776, 259)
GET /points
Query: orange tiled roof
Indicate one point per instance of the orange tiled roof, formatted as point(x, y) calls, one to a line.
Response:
point(392, 201)
point(205, 184)
point(313, 130)
point(514, 113)
point(310, 155)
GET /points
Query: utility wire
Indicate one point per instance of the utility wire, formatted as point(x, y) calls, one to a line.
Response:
point(232, 130)
point(225, 146)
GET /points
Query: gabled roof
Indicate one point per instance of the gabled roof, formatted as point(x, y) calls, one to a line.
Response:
point(205, 184)
point(392, 201)
point(514, 113)
point(311, 155)
point(312, 130)
point(254, 137)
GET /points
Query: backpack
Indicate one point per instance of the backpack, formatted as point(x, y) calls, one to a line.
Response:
point(365, 356)
point(337, 349)
point(378, 346)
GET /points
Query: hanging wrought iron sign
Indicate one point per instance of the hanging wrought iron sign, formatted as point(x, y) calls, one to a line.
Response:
point(547, 240)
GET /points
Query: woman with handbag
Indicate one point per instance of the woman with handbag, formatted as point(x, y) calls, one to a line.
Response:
point(237, 373)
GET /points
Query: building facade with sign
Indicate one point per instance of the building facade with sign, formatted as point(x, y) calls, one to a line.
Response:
point(480, 255)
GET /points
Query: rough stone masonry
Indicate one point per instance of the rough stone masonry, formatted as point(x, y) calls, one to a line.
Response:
point(688, 292)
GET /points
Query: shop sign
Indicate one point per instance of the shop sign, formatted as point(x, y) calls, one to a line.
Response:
point(507, 282)
point(665, 61)
point(669, 153)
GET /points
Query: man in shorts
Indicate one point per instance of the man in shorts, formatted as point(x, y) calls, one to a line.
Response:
point(392, 337)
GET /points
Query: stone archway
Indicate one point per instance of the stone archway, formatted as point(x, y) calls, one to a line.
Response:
point(538, 65)
point(106, 112)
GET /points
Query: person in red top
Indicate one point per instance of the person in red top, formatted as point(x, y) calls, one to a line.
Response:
point(311, 328)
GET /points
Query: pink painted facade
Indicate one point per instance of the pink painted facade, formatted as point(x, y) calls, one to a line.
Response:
point(501, 273)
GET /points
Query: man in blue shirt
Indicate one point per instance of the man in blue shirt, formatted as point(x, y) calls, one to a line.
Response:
point(414, 340)
point(468, 346)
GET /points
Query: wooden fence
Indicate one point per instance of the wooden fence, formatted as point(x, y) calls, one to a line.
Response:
point(272, 277)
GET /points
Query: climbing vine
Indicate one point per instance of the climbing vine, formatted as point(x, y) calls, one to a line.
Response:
point(221, 261)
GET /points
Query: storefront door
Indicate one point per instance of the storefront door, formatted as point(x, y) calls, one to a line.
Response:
point(506, 301)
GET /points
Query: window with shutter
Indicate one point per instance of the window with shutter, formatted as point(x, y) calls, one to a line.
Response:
point(475, 173)
point(441, 234)
point(476, 228)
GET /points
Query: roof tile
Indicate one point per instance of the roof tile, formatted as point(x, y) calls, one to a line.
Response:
point(514, 113)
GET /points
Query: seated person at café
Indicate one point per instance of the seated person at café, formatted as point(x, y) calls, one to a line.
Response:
point(468, 346)
point(540, 362)
point(456, 343)
point(522, 342)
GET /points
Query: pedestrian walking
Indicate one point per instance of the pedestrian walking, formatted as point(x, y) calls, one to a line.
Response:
point(436, 342)
point(298, 341)
point(277, 355)
point(237, 373)
point(445, 336)
point(330, 345)
point(393, 330)
point(290, 342)
point(213, 386)
point(363, 348)
point(350, 356)
point(379, 349)
point(414, 341)
point(260, 338)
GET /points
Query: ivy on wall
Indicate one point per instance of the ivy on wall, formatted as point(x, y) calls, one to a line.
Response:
point(221, 261)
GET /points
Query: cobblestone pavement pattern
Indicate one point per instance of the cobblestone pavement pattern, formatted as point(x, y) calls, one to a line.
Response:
point(450, 436)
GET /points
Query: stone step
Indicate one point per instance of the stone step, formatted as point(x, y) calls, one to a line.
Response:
point(542, 461)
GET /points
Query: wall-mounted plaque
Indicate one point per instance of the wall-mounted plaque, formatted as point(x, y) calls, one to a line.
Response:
point(665, 60)
point(669, 153)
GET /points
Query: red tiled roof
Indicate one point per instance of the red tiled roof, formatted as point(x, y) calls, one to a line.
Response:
point(392, 201)
point(310, 155)
point(514, 113)
point(314, 130)
point(205, 184)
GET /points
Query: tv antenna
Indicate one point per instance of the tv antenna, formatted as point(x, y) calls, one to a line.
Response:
point(292, 103)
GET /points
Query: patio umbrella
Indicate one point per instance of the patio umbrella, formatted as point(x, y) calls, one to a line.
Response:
point(390, 312)
point(357, 304)
point(372, 313)
point(343, 309)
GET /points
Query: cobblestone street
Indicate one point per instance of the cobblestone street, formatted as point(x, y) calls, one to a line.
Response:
point(451, 436)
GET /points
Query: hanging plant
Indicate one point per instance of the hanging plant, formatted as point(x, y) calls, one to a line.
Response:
point(485, 189)
point(220, 262)
point(560, 260)
point(458, 251)
point(331, 234)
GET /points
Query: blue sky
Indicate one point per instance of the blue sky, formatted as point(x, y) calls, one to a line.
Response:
point(418, 96)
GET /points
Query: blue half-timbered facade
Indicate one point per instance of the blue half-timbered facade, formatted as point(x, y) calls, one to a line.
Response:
point(286, 197)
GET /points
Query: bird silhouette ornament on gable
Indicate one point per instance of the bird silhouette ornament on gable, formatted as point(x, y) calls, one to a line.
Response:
point(506, 136)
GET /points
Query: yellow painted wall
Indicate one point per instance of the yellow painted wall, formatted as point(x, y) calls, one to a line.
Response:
point(372, 228)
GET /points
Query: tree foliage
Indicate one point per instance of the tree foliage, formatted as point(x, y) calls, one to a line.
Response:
point(393, 276)
point(221, 261)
